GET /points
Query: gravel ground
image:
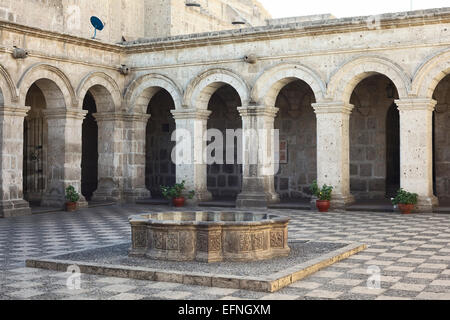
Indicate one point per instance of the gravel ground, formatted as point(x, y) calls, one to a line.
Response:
point(118, 255)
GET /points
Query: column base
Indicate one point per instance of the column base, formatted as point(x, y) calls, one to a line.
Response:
point(340, 202)
point(107, 194)
point(272, 197)
point(131, 196)
point(107, 191)
point(252, 200)
point(58, 201)
point(82, 203)
point(200, 196)
point(426, 204)
point(313, 204)
point(14, 208)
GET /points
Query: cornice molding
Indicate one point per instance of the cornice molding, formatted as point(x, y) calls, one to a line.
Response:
point(345, 25)
point(62, 37)
point(273, 32)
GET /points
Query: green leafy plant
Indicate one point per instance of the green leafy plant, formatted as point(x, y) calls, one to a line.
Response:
point(323, 194)
point(71, 194)
point(405, 197)
point(171, 192)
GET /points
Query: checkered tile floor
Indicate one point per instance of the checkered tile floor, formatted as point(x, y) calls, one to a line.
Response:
point(412, 253)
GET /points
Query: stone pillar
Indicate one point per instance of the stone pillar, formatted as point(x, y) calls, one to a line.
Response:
point(63, 155)
point(134, 159)
point(416, 150)
point(191, 127)
point(258, 187)
point(11, 162)
point(111, 146)
point(333, 150)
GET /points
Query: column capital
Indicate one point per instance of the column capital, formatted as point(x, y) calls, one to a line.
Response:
point(13, 111)
point(194, 114)
point(108, 116)
point(331, 107)
point(255, 110)
point(414, 104)
point(65, 113)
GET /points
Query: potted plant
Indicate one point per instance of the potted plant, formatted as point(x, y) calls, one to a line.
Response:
point(323, 196)
point(405, 201)
point(174, 193)
point(72, 198)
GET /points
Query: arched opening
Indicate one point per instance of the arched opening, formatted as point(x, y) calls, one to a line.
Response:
point(441, 142)
point(35, 146)
point(89, 158)
point(224, 179)
point(392, 151)
point(296, 122)
point(374, 141)
point(159, 168)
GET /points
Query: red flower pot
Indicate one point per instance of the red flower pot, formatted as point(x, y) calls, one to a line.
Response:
point(406, 208)
point(71, 206)
point(178, 202)
point(323, 205)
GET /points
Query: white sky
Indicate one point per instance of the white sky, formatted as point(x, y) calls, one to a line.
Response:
point(346, 8)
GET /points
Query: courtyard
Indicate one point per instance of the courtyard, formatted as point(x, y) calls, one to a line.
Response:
point(412, 253)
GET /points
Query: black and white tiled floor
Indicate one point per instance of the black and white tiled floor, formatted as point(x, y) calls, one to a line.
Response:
point(412, 253)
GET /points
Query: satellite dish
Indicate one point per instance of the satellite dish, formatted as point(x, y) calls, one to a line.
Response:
point(97, 24)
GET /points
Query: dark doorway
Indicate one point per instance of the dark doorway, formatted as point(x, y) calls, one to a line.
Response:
point(159, 168)
point(224, 180)
point(89, 161)
point(34, 147)
point(434, 154)
point(392, 151)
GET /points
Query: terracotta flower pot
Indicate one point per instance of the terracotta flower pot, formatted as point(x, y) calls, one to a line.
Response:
point(178, 202)
point(323, 205)
point(71, 206)
point(406, 208)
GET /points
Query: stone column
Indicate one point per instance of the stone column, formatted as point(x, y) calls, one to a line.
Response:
point(11, 162)
point(191, 127)
point(416, 150)
point(134, 159)
point(333, 150)
point(63, 155)
point(258, 187)
point(111, 146)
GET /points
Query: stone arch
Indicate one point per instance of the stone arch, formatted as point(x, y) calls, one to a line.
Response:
point(430, 73)
point(346, 78)
point(103, 88)
point(52, 81)
point(270, 83)
point(8, 94)
point(140, 92)
point(200, 89)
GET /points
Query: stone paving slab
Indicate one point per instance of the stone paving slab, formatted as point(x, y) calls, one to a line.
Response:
point(59, 233)
point(268, 276)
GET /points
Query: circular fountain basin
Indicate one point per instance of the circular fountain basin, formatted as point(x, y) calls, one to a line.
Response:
point(209, 236)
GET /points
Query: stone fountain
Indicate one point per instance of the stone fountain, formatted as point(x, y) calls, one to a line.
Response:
point(209, 236)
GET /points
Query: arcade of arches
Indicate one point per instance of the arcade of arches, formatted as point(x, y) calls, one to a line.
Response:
point(367, 119)
point(374, 141)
